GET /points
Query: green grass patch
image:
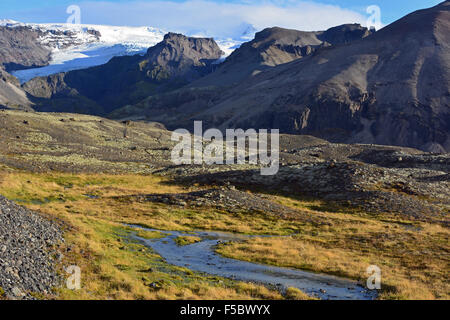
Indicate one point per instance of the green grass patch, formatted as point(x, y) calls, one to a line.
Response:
point(187, 240)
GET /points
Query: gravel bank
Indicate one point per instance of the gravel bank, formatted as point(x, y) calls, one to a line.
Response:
point(27, 250)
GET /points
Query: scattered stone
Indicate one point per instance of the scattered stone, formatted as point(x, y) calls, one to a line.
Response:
point(17, 292)
point(225, 198)
point(28, 243)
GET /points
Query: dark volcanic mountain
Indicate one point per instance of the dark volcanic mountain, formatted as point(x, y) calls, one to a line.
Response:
point(392, 87)
point(275, 46)
point(171, 64)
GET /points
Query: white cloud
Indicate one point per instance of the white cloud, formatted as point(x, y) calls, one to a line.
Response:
point(219, 19)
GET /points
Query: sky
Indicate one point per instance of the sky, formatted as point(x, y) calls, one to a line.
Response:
point(214, 17)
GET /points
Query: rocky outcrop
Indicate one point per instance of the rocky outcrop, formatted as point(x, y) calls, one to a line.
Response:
point(344, 34)
point(173, 63)
point(224, 198)
point(27, 248)
point(392, 88)
point(367, 178)
point(182, 57)
point(63, 39)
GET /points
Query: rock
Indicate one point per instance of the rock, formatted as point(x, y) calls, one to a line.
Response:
point(157, 285)
point(17, 292)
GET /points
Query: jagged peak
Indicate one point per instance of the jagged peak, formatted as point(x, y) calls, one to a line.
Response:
point(203, 48)
point(180, 36)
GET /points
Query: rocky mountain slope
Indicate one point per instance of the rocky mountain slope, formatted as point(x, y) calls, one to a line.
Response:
point(11, 94)
point(182, 59)
point(389, 88)
point(171, 64)
point(275, 46)
point(80, 143)
point(81, 46)
point(75, 47)
point(19, 49)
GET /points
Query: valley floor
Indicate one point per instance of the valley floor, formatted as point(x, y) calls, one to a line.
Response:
point(332, 208)
point(113, 266)
point(93, 209)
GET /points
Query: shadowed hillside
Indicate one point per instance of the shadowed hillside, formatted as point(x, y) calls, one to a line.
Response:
point(169, 65)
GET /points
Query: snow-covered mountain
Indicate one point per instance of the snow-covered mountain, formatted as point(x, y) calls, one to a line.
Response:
point(82, 46)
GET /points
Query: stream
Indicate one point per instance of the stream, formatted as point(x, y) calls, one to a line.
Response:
point(201, 257)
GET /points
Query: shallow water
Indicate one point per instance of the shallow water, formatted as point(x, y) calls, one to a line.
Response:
point(202, 257)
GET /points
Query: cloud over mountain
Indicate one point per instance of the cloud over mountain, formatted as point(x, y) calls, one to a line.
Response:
point(207, 17)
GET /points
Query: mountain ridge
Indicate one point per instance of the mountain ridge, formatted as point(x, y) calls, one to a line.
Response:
point(170, 64)
point(345, 84)
point(390, 88)
point(275, 46)
point(187, 61)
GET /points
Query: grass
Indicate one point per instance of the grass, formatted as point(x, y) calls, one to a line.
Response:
point(414, 261)
point(187, 240)
point(115, 267)
point(145, 234)
point(112, 265)
point(296, 294)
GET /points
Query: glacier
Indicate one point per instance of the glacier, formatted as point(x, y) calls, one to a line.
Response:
point(82, 46)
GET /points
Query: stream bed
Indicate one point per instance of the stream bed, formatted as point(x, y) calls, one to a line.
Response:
point(201, 257)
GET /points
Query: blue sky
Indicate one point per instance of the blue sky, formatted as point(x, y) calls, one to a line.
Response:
point(215, 15)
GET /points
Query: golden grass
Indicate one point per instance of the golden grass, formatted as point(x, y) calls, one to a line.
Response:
point(296, 294)
point(414, 262)
point(413, 256)
point(29, 187)
point(187, 240)
point(112, 265)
